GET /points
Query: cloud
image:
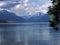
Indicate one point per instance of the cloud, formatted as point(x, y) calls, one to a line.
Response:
point(44, 7)
point(24, 1)
point(30, 8)
point(2, 4)
point(34, 8)
point(10, 0)
point(1, 0)
point(25, 7)
point(7, 5)
point(11, 3)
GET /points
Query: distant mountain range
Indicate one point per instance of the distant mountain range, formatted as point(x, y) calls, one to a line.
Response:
point(39, 18)
point(11, 17)
point(44, 18)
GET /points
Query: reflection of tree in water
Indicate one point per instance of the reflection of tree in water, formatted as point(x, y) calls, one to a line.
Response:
point(55, 11)
point(55, 38)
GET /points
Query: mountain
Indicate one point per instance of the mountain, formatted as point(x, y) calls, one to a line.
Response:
point(39, 17)
point(26, 17)
point(9, 16)
point(44, 18)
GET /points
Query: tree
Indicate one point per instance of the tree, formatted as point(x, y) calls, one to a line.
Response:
point(3, 21)
point(55, 10)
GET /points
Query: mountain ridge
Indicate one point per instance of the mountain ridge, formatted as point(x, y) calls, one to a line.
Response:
point(9, 16)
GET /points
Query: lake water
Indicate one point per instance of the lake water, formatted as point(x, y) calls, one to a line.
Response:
point(28, 34)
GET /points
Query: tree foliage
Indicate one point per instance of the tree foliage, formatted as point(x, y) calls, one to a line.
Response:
point(54, 9)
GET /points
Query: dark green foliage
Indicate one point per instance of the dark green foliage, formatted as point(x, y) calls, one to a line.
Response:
point(55, 10)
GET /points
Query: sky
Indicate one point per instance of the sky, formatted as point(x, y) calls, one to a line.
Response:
point(25, 7)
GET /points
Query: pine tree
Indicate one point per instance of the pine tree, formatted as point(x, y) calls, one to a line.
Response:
point(54, 10)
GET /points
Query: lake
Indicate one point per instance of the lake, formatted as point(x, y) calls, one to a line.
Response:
point(28, 34)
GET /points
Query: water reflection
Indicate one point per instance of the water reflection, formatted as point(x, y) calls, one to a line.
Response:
point(8, 35)
point(28, 34)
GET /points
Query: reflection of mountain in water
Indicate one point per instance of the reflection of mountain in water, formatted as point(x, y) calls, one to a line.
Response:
point(8, 35)
point(20, 43)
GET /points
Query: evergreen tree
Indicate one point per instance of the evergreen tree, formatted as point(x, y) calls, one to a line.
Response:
point(55, 10)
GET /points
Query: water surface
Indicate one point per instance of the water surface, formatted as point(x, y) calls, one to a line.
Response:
point(28, 34)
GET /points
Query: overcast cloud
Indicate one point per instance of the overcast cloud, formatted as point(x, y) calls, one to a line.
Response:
point(25, 7)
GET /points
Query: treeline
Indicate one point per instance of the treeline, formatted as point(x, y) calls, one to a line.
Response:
point(3, 21)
